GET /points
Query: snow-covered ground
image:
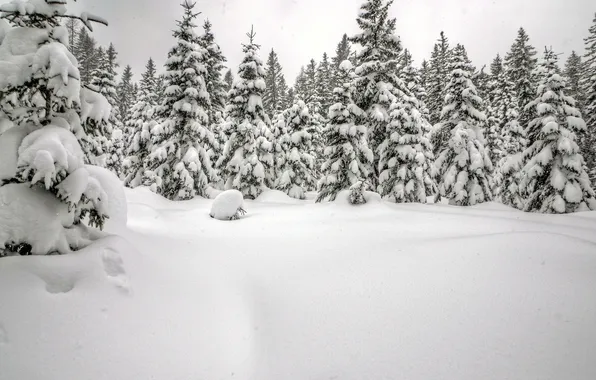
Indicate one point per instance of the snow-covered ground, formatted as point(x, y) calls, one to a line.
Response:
point(297, 290)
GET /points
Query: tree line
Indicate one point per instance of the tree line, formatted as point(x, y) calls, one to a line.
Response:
point(521, 131)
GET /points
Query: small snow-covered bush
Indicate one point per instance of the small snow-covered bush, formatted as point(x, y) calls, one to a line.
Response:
point(229, 205)
point(357, 193)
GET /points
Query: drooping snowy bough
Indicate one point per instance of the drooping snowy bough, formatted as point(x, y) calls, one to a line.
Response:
point(47, 193)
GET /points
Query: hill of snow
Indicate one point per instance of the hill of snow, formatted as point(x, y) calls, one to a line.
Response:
point(298, 290)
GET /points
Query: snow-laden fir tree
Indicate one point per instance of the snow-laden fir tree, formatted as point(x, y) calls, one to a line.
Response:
point(554, 179)
point(290, 98)
point(463, 163)
point(377, 82)
point(497, 100)
point(520, 63)
point(246, 158)
point(300, 87)
point(311, 95)
point(323, 84)
point(481, 79)
point(126, 94)
point(216, 87)
point(588, 86)
point(104, 82)
point(97, 132)
point(573, 75)
point(296, 174)
point(229, 80)
point(342, 53)
point(438, 77)
point(278, 130)
point(160, 89)
point(214, 62)
point(179, 165)
point(440, 133)
point(284, 91)
point(403, 160)
point(508, 173)
point(43, 163)
point(86, 52)
point(313, 102)
point(413, 81)
point(274, 96)
point(138, 128)
point(348, 158)
point(72, 26)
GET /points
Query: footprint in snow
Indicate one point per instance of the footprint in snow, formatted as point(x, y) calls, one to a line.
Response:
point(114, 268)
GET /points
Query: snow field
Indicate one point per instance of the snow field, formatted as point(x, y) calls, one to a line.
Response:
point(299, 290)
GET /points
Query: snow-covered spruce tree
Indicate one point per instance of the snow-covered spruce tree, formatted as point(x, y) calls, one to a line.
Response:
point(554, 179)
point(324, 90)
point(138, 128)
point(348, 158)
point(104, 82)
point(296, 172)
point(274, 95)
point(463, 163)
point(342, 53)
point(278, 130)
point(502, 125)
point(86, 52)
point(440, 133)
point(290, 98)
point(126, 95)
point(216, 87)
point(312, 95)
point(229, 80)
point(160, 88)
point(377, 83)
point(247, 154)
point(588, 86)
point(43, 175)
point(573, 74)
point(403, 155)
point(97, 132)
point(300, 87)
point(179, 166)
point(214, 62)
point(413, 81)
point(508, 173)
point(520, 63)
point(438, 77)
point(498, 92)
point(283, 91)
point(481, 79)
point(317, 117)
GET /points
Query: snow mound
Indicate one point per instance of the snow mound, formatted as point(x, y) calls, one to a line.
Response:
point(32, 215)
point(228, 205)
point(277, 197)
point(370, 197)
point(117, 207)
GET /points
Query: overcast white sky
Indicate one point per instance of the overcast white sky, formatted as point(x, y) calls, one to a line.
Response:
point(302, 29)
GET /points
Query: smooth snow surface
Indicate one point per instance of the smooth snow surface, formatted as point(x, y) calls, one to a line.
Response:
point(314, 291)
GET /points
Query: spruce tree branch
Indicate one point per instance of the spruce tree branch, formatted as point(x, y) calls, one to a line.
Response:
point(87, 20)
